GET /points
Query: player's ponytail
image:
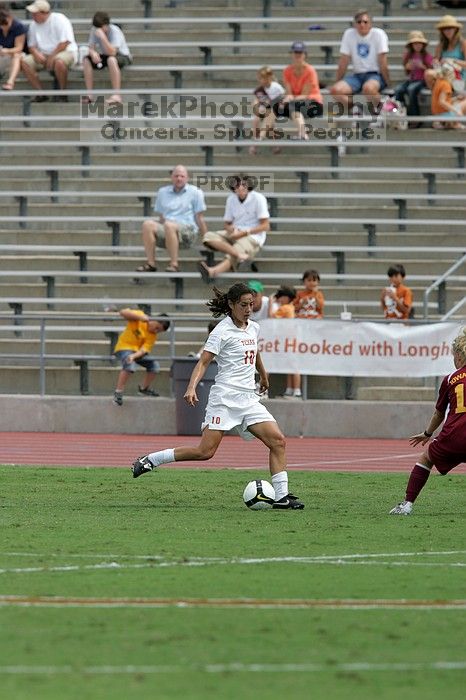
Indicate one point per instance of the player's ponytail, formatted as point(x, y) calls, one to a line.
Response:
point(459, 344)
point(219, 305)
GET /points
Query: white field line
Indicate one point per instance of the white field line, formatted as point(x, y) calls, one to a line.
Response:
point(358, 555)
point(230, 603)
point(231, 562)
point(151, 561)
point(357, 667)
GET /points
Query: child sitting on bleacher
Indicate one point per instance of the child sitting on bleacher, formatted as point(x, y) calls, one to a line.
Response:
point(266, 96)
point(444, 103)
point(416, 61)
point(107, 48)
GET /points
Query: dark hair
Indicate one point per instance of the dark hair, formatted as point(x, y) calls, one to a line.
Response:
point(445, 41)
point(285, 292)
point(234, 181)
point(311, 273)
point(396, 270)
point(100, 19)
point(163, 319)
point(219, 304)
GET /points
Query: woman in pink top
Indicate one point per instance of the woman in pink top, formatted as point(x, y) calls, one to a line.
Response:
point(303, 96)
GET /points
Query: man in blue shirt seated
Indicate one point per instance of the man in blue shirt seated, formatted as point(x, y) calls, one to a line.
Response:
point(12, 44)
point(180, 208)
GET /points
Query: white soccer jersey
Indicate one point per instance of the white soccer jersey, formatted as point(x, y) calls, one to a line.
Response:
point(236, 351)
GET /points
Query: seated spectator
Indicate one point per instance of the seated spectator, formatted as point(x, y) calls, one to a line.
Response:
point(444, 103)
point(281, 306)
point(52, 47)
point(309, 302)
point(396, 299)
point(107, 48)
point(133, 347)
point(180, 208)
point(12, 44)
point(267, 97)
point(416, 61)
point(260, 303)
point(281, 303)
point(246, 224)
point(366, 47)
point(451, 44)
point(303, 96)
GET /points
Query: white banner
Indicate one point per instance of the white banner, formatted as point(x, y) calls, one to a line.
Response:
point(358, 349)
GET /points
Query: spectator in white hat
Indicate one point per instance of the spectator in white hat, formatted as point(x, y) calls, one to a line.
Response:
point(52, 47)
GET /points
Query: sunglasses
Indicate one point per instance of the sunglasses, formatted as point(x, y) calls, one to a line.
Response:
point(362, 21)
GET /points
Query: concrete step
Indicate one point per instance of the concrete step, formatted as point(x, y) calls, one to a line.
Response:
point(395, 393)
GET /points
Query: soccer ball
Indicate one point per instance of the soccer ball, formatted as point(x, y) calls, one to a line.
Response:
point(259, 495)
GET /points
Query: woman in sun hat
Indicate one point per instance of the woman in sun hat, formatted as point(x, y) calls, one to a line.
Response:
point(451, 44)
point(416, 61)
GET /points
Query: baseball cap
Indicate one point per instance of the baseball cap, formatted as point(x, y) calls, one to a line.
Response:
point(298, 46)
point(38, 6)
point(256, 286)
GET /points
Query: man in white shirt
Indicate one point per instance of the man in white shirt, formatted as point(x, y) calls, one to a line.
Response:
point(366, 47)
point(52, 47)
point(247, 221)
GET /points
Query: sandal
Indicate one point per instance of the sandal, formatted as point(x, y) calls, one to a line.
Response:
point(204, 270)
point(146, 268)
point(7, 86)
point(86, 100)
point(172, 268)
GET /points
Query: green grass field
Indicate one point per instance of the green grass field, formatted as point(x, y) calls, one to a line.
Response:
point(184, 535)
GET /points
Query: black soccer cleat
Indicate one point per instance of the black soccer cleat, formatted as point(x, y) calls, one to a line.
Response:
point(288, 502)
point(141, 465)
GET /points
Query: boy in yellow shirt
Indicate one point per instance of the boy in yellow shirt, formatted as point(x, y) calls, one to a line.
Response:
point(133, 347)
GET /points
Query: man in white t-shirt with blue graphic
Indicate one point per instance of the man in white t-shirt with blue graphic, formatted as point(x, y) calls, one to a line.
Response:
point(247, 221)
point(366, 48)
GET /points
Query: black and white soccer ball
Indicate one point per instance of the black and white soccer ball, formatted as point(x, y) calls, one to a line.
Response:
point(259, 495)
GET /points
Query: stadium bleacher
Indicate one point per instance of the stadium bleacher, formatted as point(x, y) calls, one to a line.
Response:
point(72, 203)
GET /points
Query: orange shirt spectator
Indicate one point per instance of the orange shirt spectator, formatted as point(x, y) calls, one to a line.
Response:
point(309, 302)
point(441, 88)
point(307, 78)
point(396, 299)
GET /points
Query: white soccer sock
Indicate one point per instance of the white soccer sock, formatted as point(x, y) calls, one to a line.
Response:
point(162, 457)
point(280, 484)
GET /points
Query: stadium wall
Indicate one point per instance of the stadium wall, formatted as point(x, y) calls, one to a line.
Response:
point(313, 418)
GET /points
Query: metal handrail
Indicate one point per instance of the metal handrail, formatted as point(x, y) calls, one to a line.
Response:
point(454, 309)
point(440, 284)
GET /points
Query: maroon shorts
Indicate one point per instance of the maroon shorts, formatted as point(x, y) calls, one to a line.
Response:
point(443, 454)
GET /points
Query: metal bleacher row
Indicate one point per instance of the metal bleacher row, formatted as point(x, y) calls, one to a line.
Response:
point(72, 203)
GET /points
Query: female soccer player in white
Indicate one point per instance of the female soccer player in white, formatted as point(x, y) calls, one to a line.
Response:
point(232, 400)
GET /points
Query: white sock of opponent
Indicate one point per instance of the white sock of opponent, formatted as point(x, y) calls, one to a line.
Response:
point(280, 484)
point(162, 457)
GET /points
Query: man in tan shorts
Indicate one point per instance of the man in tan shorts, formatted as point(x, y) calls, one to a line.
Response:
point(246, 224)
point(52, 47)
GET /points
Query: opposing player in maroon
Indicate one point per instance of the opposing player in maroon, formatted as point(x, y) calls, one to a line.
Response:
point(448, 449)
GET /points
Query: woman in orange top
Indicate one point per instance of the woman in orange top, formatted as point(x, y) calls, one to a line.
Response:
point(302, 90)
point(444, 103)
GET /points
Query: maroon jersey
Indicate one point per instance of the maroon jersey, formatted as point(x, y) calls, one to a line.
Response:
point(452, 401)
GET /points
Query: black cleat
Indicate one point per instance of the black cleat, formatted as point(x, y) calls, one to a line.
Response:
point(288, 502)
point(141, 465)
point(147, 392)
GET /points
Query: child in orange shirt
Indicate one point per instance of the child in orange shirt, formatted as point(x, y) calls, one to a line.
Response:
point(281, 306)
point(396, 299)
point(444, 104)
point(309, 302)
